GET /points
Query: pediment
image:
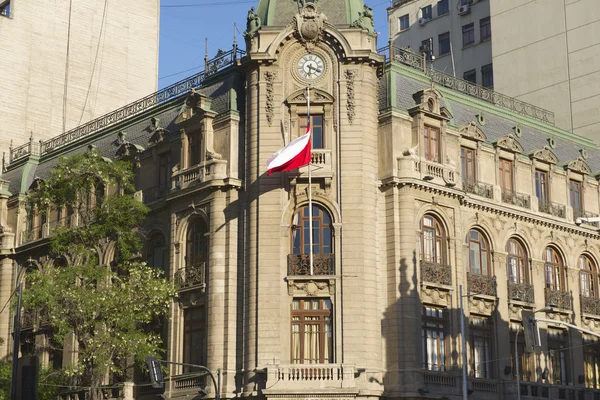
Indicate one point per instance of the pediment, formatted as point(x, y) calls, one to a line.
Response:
point(544, 155)
point(509, 143)
point(159, 135)
point(195, 103)
point(472, 131)
point(317, 96)
point(578, 165)
point(127, 149)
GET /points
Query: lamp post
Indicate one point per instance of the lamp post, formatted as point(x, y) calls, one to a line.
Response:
point(544, 309)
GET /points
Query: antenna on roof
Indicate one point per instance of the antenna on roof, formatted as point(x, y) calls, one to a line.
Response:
point(206, 56)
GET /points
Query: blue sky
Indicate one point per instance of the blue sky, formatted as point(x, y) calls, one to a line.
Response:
point(185, 24)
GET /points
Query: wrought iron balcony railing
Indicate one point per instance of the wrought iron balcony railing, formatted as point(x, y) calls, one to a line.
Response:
point(548, 207)
point(191, 276)
point(299, 264)
point(479, 188)
point(436, 273)
point(222, 60)
point(482, 284)
point(521, 292)
point(416, 61)
point(557, 299)
point(590, 305)
point(579, 213)
point(516, 198)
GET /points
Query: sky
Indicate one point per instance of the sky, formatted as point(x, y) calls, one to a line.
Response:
point(185, 25)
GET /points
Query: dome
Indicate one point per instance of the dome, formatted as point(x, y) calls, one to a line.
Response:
point(281, 12)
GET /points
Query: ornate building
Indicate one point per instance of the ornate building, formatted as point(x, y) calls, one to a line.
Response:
point(423, 185)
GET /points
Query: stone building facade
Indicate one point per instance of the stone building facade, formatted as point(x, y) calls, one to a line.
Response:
point(66, 63)
point(421, 188)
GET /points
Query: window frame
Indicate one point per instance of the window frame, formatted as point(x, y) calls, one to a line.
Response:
point(445, 8)
point(5, 7)
point(196, 243)
point(318, 126)
point(506, 173)
point(554, 269)
point(468, 32)
point(484, 334)
point(558, 352)
point(575, 193)
point(164, 171)
point(427, 12)
point(325, 335)
point(487, 76)
point(470, 73)
point(444, 44)
point(299, 230)
point(404, 20)
point(431, 143)
point(485, 29)
point(521, 261)
point(469, 173)
point(587, 275)
point(433, 331)
point(192, 327)
point(483, 254)
point(438, 240)
point(194, 149)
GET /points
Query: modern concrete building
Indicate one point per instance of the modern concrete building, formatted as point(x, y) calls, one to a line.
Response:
point(544, 53)
point(426, 197)
point(65, 63)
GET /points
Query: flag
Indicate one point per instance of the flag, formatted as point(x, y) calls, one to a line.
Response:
point(295, 155)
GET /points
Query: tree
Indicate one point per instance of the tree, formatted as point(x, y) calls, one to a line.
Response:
point(108, 309)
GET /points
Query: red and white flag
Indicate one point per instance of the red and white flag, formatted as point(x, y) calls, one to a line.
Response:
point(295, 155)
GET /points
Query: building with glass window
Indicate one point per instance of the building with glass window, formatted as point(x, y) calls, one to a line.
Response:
point(544, 53)
point(66, 63)
point(421, 190)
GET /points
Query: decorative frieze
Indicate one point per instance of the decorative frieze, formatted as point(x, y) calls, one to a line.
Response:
point(270, 77)
point(311, 288)
point(350, 74)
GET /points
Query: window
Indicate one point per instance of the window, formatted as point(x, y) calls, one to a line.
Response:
point(470, 76)
point(467, 160)
point(164, 172)
point(404, 22)
point(487, 76)
point(433, 331)
point(193, 149)
point(444, 43)
point(478, 255)
point(587, 277)
point(157, 255)
point(312, 331)
point(322, 234)
point(426, 12)
point(468, 32)
point(506, 175)
point(427, 47)
point(432, 241)
point(558, 357)
point(591, 361)
point(316, 125)
point(443, 7)
point(5, 8)
point(526, 360)
point(575, 196)
point(541, 186)
point(432, 144)
point(196, 244)
point(485, 28)
point(193, 337)
point(553, 269)
point(516, 261)
point(481, 349)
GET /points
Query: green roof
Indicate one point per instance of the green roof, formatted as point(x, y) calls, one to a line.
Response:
point(281, 12)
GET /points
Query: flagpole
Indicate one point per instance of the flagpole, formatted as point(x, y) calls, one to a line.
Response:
point(310, 215)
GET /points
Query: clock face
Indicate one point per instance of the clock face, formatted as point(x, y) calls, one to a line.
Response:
point(311, 66)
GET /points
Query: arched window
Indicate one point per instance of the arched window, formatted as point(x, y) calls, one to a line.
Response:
point(299, 260)
point(196, 244)
point(516, 261)
point(157, 254)
point(432, 240)
point(587, 277)
point(553, 268)
point(478, 253)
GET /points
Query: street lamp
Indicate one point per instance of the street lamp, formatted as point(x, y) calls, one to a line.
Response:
point(544, 309)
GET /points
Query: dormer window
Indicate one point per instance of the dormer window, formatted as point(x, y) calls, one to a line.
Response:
point(431, 144)
point(193, 149)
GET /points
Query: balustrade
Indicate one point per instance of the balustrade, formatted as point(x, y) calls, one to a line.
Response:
point(579, 213)
point(555, 209)
point(482, 284)
point(516, 198)
point(479, 189)
point(521, 291)
point(590, 305)
point(558, 299)
point(191, 276)
point(436, 273)
point(299, 264)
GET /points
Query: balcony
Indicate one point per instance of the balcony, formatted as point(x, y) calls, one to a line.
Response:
point(479, 189)
point(554, 209)
point(557, 299)
point(299, 264)
point(521, 292)
point(590, 305)
point(516, 199)
point(200, 173)
point(315, 376)
point(579, 213)
point(436, 273)
point(482, 284)
point(435, 172)
point(191, 277)
point(321, 163)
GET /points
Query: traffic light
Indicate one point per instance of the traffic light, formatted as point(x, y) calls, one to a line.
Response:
point(155, 371)
point(532, 332)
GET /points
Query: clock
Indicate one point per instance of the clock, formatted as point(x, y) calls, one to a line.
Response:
point(311, 66)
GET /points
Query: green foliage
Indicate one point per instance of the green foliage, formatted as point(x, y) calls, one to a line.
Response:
point(108, 308)
point(49, 382)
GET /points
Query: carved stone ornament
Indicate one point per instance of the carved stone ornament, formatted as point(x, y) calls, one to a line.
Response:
point(311, 288)
point(509, 143)
point(365, 21)
point(316, 96)
point(253, 24)
point(270, 77)
point(350, 102)
point(578, 165)
point(544, 155)
point(309, 25)
point(128, 150)
point(435, 296)
point(481, 306)
point(472, 131)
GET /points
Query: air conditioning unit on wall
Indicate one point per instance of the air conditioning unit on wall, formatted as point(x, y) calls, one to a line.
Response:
point(464, 9)
point(423, 21)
